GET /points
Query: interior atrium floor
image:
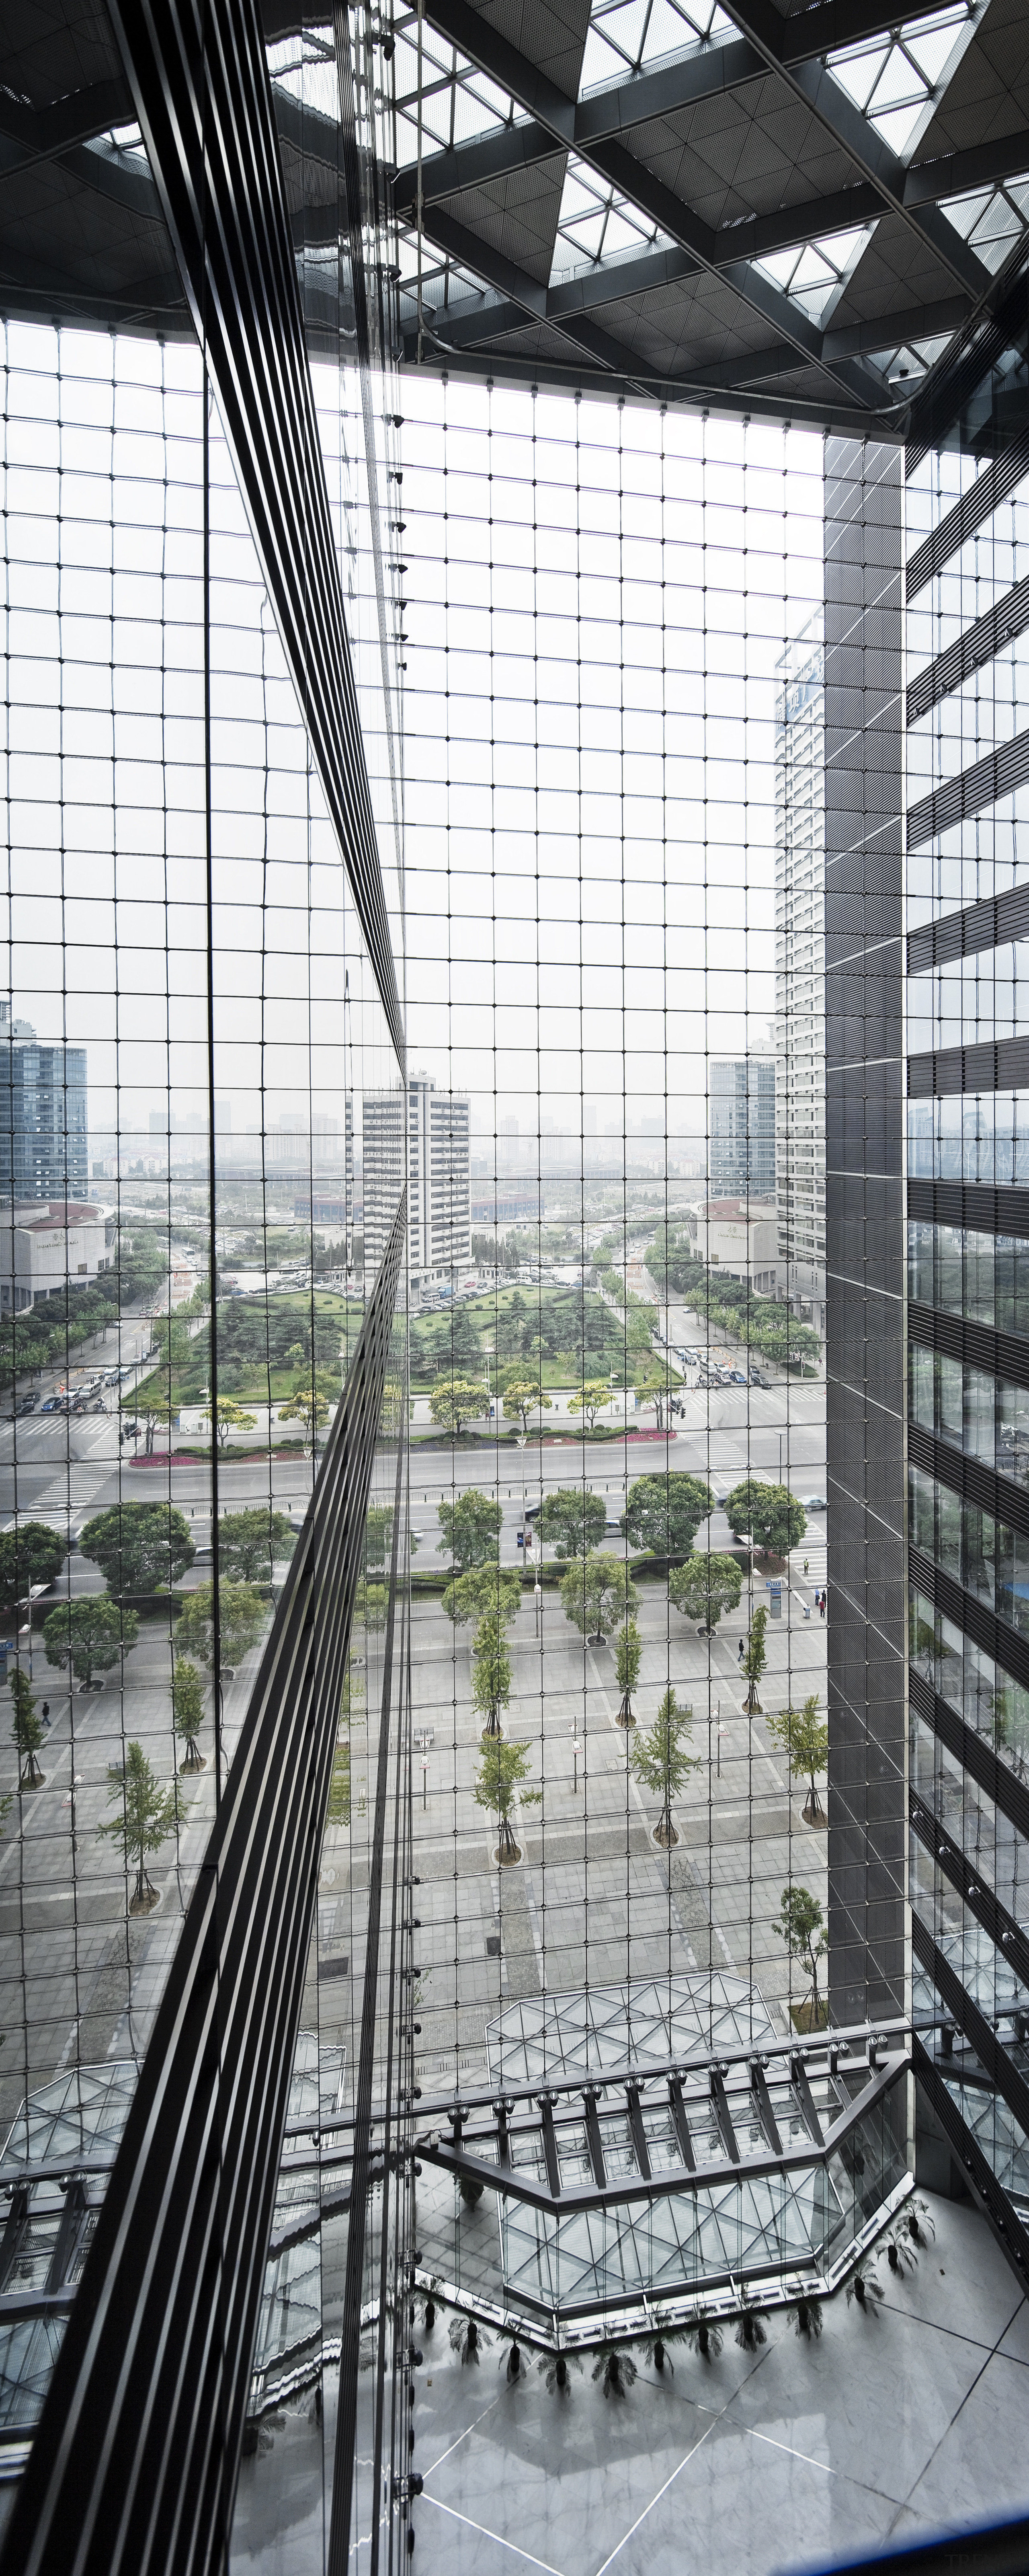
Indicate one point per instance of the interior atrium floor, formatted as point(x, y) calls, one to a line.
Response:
point(891, 2427)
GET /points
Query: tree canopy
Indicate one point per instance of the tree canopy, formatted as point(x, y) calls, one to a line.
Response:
point(27, 1730)
point(503, 1767)
point(250, 1543)
point(628, 1654)
point(482, 1592)
point(188, 1710)
point(371, 1606)
point(148, 1815)
point(471, 1529)
point(32, 1553)
point(754, 1659)
point(590, 1399)
point(491, 1672)
point(524, 1395)
point(664, 1513)
point(801, 1926)
point(139, 1547)
point(456, 1400)
point(89, 1634)
point(241, 1617)
point(770, 1513)
point(705, 1586)
point(597, 1594)
point(804, 1735)
point(572, 1520)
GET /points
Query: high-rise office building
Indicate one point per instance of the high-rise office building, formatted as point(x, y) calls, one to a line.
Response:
point(742, 1124)
point(44, 1134)
point(386, 1988)
point(800, 972)
point(433, 1148)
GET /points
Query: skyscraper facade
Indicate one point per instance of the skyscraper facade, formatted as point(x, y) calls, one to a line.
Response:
point(431, 1143)
point(741, 1159)
point(44, 1131)
point(800, 972)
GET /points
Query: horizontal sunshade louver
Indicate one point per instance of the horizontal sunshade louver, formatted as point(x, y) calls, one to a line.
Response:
point(977, 646)
point(967, 515)
point(967, 934)
point(998, 775)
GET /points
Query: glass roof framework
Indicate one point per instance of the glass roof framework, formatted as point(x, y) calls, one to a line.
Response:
point(626, 212)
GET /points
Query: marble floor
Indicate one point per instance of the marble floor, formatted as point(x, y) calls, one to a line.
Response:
point(895, 2426)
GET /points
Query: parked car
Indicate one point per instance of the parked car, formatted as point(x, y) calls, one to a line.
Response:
point(735, 1377)
point(814, 1503)
point(29, 1402)
point(758, 1378)
point(53, 1404)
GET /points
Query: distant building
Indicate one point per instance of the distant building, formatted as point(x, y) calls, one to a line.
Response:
point(800, 974)
point(43, 1121)
point(436, 1152)
point(742, 1125)
point(741, 1237)
point(45, 1249)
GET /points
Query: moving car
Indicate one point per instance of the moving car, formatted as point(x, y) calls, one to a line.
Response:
point(758, 1378)
point(814, 1502)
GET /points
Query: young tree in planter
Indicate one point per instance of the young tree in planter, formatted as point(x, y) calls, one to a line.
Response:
point(664, 1513)
point(704, 1587)
point(483, 1591)
point(572, 1521)
point(139, 1547)
point(522, 1396)
point(455, 1401)
point(27, 1730)
point(250, 1543)
point(502, 1769)
point(769, 1513)
point(491, 1673)
point(627, 1668)
point(241, 1617)
point(801, 1926)
point(591, 1399)
point(471, 1530)
point(89, 1634)
point(662, 1764)
point(148, 1815)
point(597, 1595)
point(188, 1711)
point(804, 1735)
point(754, 1659)
point(33, 1553)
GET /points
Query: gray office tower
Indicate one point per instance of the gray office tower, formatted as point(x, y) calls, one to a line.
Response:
point(43, 1116)
point(927, 760)
point(742, 1124)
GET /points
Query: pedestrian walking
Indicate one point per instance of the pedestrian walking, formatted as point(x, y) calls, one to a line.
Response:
point(821, 1605)
point(739, 1650)
point(45, 1712)
point(805, 1565)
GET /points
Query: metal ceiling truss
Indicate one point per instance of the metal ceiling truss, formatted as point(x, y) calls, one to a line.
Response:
point(597, 129)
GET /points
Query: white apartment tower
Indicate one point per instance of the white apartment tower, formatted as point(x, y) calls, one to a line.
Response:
point(438, 1152)
point(800, 973)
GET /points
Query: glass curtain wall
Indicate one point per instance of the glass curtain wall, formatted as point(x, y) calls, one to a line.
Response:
point(190, 1021)
point(599, 600)
point(967, 513)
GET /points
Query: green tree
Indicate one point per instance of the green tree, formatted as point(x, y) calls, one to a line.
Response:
point(456, 1400)
point(251, 1543)
point(27, 1730)
point(804, 1736)
point(148, 1815)
point(30, 1554)
point(662, 1764)
point(590, 1399)
point(188, 1711)
point(801, 1925)
point(524, 1395)
point(596, 1594)
point(704, 1587)
point(308, 1408)
point(337, 1811)
point(296, 1356)
point(378, 1535)
point(502, 1769)
point(572, 1521)
point(754, 1660)
point(491, 1672)
point(471, 1529)
point(229, 1416)
point(139, 1547)
point(371, 1606)
point(627, 1668)
point(770, 1513)
point(241, 1616)
point(482, 1592)
point(351, 1694)
point(664, 1513)
point(89, 1634)
point(652, 1385)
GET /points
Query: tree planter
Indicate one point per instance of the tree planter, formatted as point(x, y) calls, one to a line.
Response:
point(814, 1812)
point(508, 1858)
point(32, 1777)
point(664, 1835)
point(195, 1760)
point(809, 2017)
point(625, 1716)
point(144, 1899)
